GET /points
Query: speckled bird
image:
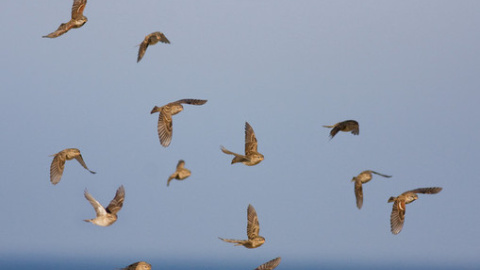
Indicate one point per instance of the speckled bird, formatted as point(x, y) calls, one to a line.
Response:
point(58, 163)
point(345, 126)
point(362, 178)
point(106, 216)
point(252, 156)
point(253, 228)
point(270, 265)
point(181, 172)
point(397, 218)
point(77, 20)
point(151, 39)
point(138, 266)
point(164, 127)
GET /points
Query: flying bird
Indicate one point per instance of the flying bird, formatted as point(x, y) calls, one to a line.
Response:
point(58, 163)
point(345, 126)
point(253, 228)
point(181, 172)
point(252, 156)
point(270, 265)
point(151, 39)
point(106, 216)
point(362, 178)
point(138, 266)
point(77, 21)
point(164, 126)
point(397, 218)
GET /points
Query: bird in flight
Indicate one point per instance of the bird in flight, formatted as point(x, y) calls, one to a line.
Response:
point(58, 163)
point(270, 265)
point(345, 126)
point(253, 228)
point(106, 216)
point(181, 172)
point(151, 39)
point(397, 218)
point(252, 156)
point(164, 126)
point(138, 266)
point(362, 178)
point(77, 20)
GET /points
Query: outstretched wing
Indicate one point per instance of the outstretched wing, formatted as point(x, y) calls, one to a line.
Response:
point(165, 127)
point(62, 29)
point(180, 164)
point(381, 174)
point(142, 49)
point(397, 217)
point(56, 168)
point(359, 193)
point(117, 202)
point(77, 9)
point(159, 36)
point(253, 227)
point(80, 160)
point(96, 205)
point(250, 140)
point(270, 264)
point(192, 101)
point(428, 190)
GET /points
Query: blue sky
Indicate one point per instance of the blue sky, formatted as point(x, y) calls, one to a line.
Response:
point(406, 71)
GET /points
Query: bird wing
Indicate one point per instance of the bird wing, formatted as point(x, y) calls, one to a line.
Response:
point(428, 190)
point(359, 193)
point(62, 29)
point(270, 264)
point(381, 174)
point(80, 160)
point(192, 101)
point(159, 36)
point(57, 167)
point(117, 202)
point(165, 127)
point(142, 49)
point(397, 217)
point(253, 227)
point(99, 209)
point(353, 125)
point(336, 128)
point(180, 164)
point(250, 140)
point(77, 9)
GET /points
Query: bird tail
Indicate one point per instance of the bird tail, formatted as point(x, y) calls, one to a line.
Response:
point(391, 199)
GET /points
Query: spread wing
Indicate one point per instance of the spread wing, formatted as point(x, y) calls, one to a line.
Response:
point(336, 128)
point(62, 29)
point(142, 49)
point(428, 190)
point(159, 36)
point(381, 174)
point(250, 140)
point(96, 205)
point(165, 127)
point(270, 264)
point(56, 168)
point(80, 160)
point(397, 217)
point(77, 9)
point(353, 126)
point(253, 227)
point(359, 193)
point(192, 101)
point(117, 202)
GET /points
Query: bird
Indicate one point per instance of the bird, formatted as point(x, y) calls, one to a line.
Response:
point(151, 39)
point(346, 126)
point(181, 172)
point(362, 178)
point(270, 265)
point(164, 126)
point(106, 216)
point(252, 156)
point(138, 266)
point(77, 20)
point(253, 228)
point(397, 218)
point(58, 163)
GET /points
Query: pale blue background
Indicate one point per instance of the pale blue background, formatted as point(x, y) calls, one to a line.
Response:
point(408, 71)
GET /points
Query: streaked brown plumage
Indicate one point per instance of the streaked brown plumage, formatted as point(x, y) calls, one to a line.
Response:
point(138, 266)
point(362, 178)
point(253, 228)
point(150, 39)
point(181, 172)
point(164, 127)
point(77, 20)
point(58, 163)
point(397, 217)
point(106, 216)
point(345, 126)
point(270, 265)
point(252, 156)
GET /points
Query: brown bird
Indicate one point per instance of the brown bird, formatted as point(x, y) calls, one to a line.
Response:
point(362, 178)
point(106, 216)
point(138, 266)
point(253, 228)
point(346, 126)
point(164, 126)
point(252, 156)
point(58, 163)
point(77, 21)
point(181, 172)
point(270, 265)
point(151, 39)
point(397, 218)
